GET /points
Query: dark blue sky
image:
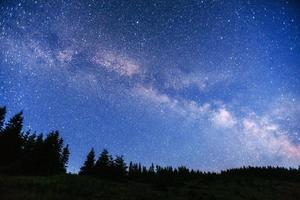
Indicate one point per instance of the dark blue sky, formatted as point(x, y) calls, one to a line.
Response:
point(206, 84)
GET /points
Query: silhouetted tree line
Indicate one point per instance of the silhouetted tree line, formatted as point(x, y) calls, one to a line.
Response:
point(29, 153)
point(105, 166)
point(264, 172)
point(115, 168)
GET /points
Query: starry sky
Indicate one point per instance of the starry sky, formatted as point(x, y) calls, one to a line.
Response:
point(208, 84)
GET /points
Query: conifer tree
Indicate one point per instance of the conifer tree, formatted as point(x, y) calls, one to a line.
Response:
point(103, 164)
point(89, 164)
point(65, 157)
point(151, 169)
point(130, 169)
point(139, 169)
point(2, 118)
point(52, 158)
point(2, 136)
point(120, 167)
point(11, 140)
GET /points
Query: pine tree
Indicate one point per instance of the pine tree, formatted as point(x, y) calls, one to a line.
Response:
point(65, 157)
point(103, 164)
point(130, 169)
point(53, 156)
point(28, 161)
point(151, 169)
point(11, 140)
point(120, 167)
point(2, 118)
point(89, 164)
point(139, 169)
point(2, 137)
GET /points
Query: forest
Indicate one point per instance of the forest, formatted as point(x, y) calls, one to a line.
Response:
point(27, 154)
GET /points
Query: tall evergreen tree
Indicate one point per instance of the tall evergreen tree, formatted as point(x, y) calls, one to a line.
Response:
point(131, 169)
point(2, 136)
point(103, 166)
point(11, 140)
point(52, 160)
point(89, 164)
point(120, 167)
point(28, 160)
point(151, 169)
point(65, 157)
point(2, 117)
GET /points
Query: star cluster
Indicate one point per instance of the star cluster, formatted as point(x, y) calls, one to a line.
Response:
point(207, 84)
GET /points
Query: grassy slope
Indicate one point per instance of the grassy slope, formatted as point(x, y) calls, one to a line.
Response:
point(75, 188)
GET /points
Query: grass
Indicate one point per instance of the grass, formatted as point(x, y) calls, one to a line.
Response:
point(73, 187)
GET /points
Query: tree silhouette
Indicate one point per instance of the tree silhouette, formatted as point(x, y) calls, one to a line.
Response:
point(11, 140)
point(2, 117)
point(65, 157)
point(89, 164)
point(3, 137)
point(120, 167)
point(27, 153)
point(103, 166)
point(55, 156)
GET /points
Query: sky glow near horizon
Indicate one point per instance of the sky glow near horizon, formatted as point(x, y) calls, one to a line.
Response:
point(207, 84)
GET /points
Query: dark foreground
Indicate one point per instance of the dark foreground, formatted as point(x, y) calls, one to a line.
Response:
point(76, 187)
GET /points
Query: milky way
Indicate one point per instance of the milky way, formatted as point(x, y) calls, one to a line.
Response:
point(206, 84)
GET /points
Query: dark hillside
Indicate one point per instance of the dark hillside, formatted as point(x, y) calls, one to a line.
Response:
point(76, 187)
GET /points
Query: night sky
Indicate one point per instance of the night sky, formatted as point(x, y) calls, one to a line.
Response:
point(207, 84)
